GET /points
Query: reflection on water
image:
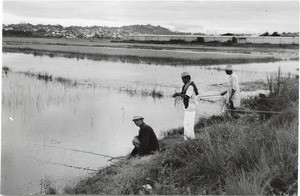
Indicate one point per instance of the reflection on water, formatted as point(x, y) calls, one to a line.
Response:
point(57, 130)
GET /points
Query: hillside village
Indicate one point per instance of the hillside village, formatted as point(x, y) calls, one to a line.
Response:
point(100, 32)
point(29, 30)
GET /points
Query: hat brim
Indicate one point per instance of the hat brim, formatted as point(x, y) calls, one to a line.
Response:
point(136, 119)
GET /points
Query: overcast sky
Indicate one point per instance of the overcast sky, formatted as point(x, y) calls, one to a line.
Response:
point(189, 16)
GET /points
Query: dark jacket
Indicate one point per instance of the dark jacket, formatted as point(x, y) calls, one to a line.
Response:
point(148, 141)
point(186, 100)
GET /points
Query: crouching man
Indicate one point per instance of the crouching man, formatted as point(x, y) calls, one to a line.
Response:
point(146, 142)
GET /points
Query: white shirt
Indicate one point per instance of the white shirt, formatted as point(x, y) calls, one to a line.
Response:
point(193, 103)
point(234, 84)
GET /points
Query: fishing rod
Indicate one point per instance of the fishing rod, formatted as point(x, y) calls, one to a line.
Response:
point(215, 95)
point(223, 108)
point(199, 97)
point(83, 151)
point(256, 111)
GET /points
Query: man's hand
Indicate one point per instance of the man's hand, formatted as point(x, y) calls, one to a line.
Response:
point(222, 94)
point(175, 95)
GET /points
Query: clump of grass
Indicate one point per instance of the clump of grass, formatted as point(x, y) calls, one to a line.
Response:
point(173, 132)
point(283, 92)
point(154, 93)
point(249, 86)
point(46, 77)
point(29, 74)
point(128, 91)
point(145, 93)
point(63, 80)
point(47, 186)
point(5, 68)
point(280, 86)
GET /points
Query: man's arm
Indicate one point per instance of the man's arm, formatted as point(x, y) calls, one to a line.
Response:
point(187, 95)
point(223, 93)
point(181, 95)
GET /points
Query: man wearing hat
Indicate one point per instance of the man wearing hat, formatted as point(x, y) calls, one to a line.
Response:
point(146, 142)
point(234, 98)
point(188, 94)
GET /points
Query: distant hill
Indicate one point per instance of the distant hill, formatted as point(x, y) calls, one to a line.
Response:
point(40, 30)
point(149, 29)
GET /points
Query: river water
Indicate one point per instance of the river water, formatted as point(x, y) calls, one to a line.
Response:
point(54, 133)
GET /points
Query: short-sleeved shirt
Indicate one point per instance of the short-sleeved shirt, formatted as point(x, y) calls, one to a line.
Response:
point(234, 84)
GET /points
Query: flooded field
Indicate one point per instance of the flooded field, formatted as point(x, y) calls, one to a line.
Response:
point(55, 131)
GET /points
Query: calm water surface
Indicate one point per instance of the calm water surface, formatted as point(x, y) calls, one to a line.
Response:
point(47, 125)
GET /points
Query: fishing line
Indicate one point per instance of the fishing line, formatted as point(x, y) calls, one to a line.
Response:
point(20, 138)
point(66, 165)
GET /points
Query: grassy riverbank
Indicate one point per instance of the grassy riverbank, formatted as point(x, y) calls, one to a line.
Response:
point(170, 54)
point(254, 155)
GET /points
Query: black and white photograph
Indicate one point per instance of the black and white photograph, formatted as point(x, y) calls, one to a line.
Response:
point(149, 97)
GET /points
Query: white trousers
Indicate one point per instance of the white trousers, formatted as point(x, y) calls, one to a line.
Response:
point(188, 125)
